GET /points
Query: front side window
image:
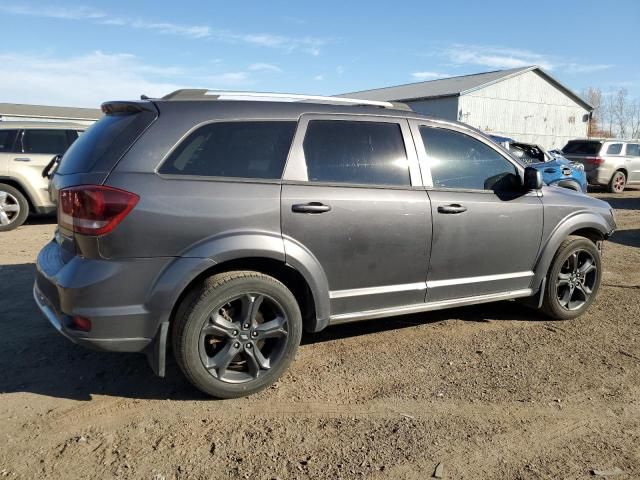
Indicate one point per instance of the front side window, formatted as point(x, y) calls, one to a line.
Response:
point(359, 152)
point(7, 138)
point(459, 161)
point(45, 141)
point(614, 149)
point(233, 149)
point(633, 149)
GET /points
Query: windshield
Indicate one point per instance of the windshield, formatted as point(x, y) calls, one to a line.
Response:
point(527, 153)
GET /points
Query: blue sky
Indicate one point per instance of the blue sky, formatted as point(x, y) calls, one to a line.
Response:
point(81, 53)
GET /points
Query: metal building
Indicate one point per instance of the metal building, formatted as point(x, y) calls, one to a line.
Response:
point(526, 104)
point(44, 113)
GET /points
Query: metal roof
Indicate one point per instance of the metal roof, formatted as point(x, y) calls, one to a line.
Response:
point(456, 86)
point(46, 111)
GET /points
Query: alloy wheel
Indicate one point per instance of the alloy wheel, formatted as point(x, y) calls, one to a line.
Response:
point(619, 182)
point(576, 280)
point(9, 208)
point(243, 338)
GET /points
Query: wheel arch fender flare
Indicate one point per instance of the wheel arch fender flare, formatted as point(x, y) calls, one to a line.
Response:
point(579, 222)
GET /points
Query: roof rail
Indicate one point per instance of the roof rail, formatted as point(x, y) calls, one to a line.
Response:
point(203, 94)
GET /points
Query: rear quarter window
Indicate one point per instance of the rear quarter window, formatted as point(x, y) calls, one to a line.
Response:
point(251, 149)
point(614, 149)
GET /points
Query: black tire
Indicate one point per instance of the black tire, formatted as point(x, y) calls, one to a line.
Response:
point(570, 285)
point(232, 298)
point(618, 182)
point(14, 208)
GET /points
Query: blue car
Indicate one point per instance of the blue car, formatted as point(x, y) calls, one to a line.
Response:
point(556, 170)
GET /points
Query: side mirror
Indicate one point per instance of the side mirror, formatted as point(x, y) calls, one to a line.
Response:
point(532, 179)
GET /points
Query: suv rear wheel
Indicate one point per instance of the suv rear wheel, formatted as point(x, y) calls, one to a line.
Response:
point(14, 208)
point(238, 334)
point(573, 279)
point(618, 182)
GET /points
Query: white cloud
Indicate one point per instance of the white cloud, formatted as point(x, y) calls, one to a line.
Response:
point(90, 79)
point(339, 69)
point(309, 45)
point(264, 67)
point(319, 78)
point(429, 75)
point(501, 57)
point(495, 57)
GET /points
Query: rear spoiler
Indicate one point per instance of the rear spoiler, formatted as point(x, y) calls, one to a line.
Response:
point(128, 107)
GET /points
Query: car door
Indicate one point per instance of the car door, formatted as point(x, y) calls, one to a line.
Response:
point(633, 161)
point(35, 149)
point(486, 230)
point(352, 198)
point(7, 142)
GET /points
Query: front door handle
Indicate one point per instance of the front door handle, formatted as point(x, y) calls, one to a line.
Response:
point(22, 159)
point(311, 207)
point(452, 209)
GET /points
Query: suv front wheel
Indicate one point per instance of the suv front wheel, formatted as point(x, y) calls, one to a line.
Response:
point(573, 279)
point(14, 208)
point(238, 333)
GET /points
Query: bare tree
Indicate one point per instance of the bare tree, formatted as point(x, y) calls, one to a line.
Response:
point(594, 97)
point(634, 119)
point(620, 112)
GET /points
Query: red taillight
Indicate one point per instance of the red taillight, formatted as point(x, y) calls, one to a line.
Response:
point(93, 209)
point(594, 160)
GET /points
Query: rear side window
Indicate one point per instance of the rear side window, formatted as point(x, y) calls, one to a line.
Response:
point(633, 149)
point(45, 141)
point(233, 149)
point(457, 160)
point(104, 142)
point(356, 152)
point(614, 149)
point(7, 139)
point(582, 147)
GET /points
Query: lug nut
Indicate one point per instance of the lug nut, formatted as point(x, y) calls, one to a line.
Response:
point(246, 325)
point(254, 334)
point(248, 346)
point(235, 332)
point(236, 345)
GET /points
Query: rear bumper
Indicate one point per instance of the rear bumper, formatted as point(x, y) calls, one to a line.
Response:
point(111, 294)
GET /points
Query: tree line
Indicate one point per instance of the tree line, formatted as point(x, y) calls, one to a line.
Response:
point(614, 113)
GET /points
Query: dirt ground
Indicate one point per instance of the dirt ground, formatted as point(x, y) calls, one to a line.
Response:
point(492, 391)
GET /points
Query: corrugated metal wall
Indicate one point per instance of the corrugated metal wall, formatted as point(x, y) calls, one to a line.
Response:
point(446, 107)
point(526, 108)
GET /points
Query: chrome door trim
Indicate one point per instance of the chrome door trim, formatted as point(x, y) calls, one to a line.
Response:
point(480, 279)
point(425, 307)
point(357, 292)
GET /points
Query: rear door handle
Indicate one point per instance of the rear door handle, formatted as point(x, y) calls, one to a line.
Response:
point(452, 209)
point(311, 207)
point(22, 159)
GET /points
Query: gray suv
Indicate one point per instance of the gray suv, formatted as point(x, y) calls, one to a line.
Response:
point(225, 224)
point(608, 162)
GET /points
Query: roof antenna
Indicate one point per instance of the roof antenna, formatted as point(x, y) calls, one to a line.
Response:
point(144, 97)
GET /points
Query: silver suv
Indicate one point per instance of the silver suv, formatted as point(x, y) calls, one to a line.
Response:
point(26, 148)
point(612, 163)
point(224, 224)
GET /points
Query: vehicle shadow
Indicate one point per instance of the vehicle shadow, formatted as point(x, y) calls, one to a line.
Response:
point(630, 238)
point(621, 203)
point(41, 220)
point(37, 359)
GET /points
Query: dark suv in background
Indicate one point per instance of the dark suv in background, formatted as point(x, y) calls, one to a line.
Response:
point(226, 223)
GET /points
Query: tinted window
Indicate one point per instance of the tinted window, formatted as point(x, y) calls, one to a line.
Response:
point(44, 141)
point(457, 160)
point(582, 147)
point(102, 145)
point(633, 149)
point(356, 152)
point(7, 137)
point(234, 149)
point(614, 149)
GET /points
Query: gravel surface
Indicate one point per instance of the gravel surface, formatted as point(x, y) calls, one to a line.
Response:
point(492, 391)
